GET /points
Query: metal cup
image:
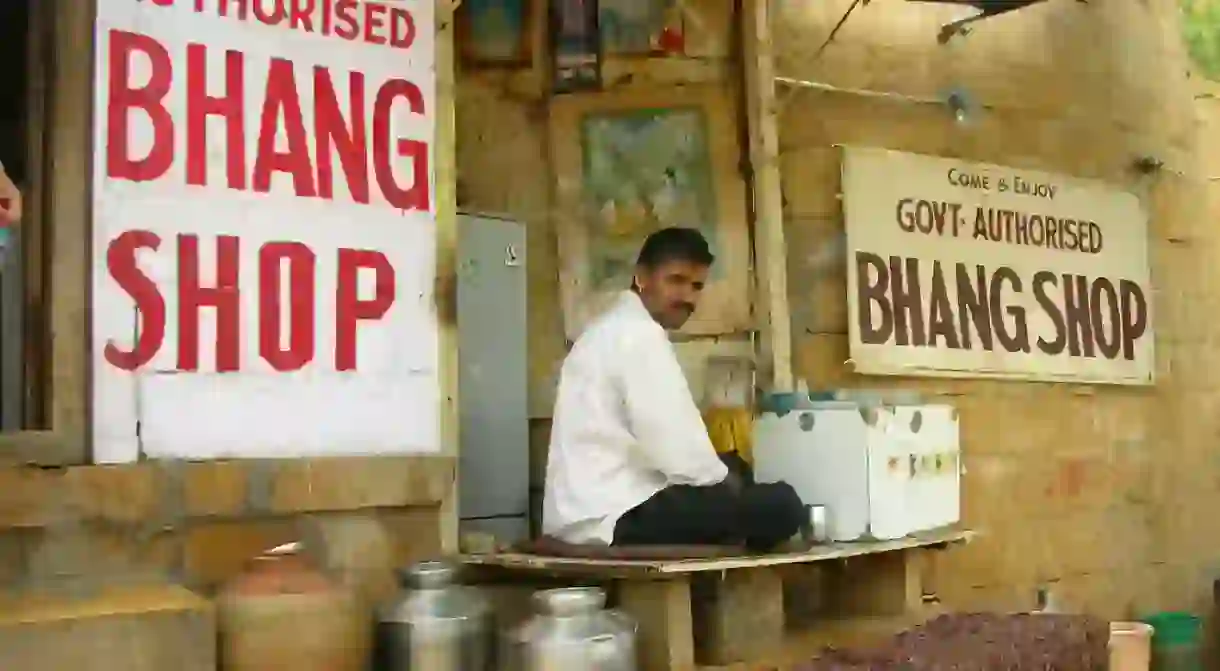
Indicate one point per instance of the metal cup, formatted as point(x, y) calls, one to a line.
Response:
point(819, 524)
point(814, 530)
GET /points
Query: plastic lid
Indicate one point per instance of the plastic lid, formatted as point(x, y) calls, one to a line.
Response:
point(428, 575)
point(1175, 628)
point(570, 601)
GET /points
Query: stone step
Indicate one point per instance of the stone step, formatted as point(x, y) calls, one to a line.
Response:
point(129, 628)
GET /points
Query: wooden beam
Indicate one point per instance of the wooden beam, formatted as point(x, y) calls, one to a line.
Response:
point(35, 365)
point(56, 238)
point(662, 569)
point(39, 448)
point(445, 164)
point(69, 218)
point(771, 312)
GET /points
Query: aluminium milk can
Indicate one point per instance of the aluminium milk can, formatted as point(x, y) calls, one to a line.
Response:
point(435, 624)
point(572, 630)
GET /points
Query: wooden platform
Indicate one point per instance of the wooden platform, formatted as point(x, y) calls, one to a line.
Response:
point(725, 610)
point(666, 568)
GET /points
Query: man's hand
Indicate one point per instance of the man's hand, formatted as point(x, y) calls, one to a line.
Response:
point(10, 201)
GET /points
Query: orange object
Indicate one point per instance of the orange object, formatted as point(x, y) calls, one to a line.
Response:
point(281, 613)
point(1130, 646)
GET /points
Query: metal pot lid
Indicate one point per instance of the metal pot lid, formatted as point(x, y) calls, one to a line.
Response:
point(570, 601)
point(428, 575)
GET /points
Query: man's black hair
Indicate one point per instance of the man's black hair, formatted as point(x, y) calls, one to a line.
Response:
point(675, 244)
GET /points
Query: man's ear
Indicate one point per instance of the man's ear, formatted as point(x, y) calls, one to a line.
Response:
point(636, 284)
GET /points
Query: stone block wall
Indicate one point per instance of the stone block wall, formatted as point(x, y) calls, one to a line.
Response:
point(1100, 492)
point(196, 524)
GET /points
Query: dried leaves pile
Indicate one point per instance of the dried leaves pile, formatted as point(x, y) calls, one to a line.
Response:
point(983, 642)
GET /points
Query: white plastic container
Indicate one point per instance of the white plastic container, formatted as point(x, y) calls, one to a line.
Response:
point(883, 472)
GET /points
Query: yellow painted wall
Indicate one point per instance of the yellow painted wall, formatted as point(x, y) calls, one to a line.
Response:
point(1104, 491)
point(504, 167)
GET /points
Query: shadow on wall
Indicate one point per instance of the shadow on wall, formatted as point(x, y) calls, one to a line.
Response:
point(1058, 59)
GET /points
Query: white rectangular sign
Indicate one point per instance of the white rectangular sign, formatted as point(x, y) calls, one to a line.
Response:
point(968, 270)
point(264, 229)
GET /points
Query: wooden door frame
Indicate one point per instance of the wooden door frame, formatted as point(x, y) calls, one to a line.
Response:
point(56, 237)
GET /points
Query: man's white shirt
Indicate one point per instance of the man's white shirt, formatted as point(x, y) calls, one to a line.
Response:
point(625, 427)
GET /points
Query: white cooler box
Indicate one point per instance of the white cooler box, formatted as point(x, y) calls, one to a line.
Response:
point(882, 471)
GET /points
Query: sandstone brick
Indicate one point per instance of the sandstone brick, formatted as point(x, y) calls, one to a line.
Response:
point(216, 488)
point(817, 274)
point(364, 549)
point(308, 485)
point(217, 551)
point(1102, 593)
point(81, 555)
point(26, 494)
point(980, 563)
point(127, 629)
point(997, 597)
point(817, 119)
point(811, 179)
point(356, 548)
point(820, 359)
point(127, 493)
point(31, 497)
point(739, 613)
point(414, 533)
point(13, 553)
point(1070, 545)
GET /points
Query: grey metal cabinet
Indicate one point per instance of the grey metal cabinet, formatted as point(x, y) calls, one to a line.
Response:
point(493, 480)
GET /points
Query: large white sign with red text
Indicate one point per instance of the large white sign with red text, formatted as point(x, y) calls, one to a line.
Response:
point(264, 243)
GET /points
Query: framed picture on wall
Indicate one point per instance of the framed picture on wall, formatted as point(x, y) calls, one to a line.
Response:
point(576, 45)
point(495, 33)
point(642, 27)
point(632, 163)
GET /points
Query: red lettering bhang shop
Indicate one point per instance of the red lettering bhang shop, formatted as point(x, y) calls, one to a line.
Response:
point(334, 133)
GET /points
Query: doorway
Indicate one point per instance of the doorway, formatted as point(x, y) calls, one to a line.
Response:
point(17, 145)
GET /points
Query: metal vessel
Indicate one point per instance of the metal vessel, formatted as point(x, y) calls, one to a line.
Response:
point(435, 625)
point(282, 612)
point(572, 630)
point(817, 531)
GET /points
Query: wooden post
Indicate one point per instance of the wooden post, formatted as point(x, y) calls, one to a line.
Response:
point(445, 147)
point(771, 313)
point(56, 238)
point(71, 218)
point(662, 609)
point(882, 585)
point(739, 614)
point(33, 225)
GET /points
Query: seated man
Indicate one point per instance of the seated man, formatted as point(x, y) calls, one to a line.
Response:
point(630, 460)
